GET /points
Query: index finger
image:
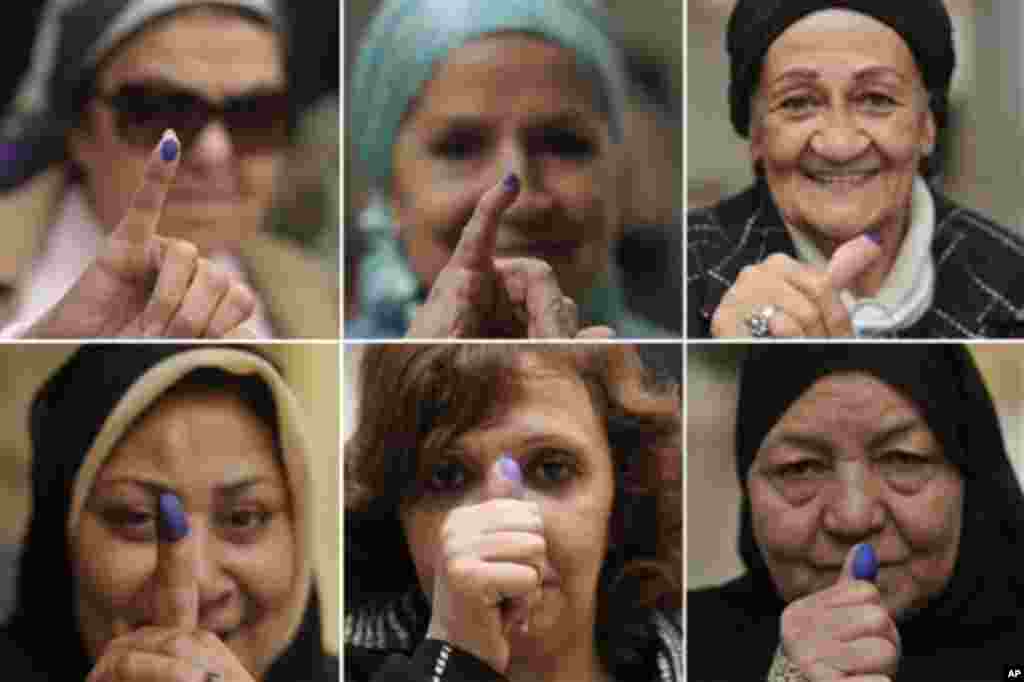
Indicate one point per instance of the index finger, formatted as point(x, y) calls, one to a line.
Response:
point(139, 223)
point(176, 590)
point(476, 244)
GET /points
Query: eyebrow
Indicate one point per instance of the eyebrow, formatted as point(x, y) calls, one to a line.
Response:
point(155, 488)
point(172, 85)
point(808, 74)
point(819, 443)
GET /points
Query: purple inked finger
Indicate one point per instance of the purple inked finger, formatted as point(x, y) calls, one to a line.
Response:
point(172, 524)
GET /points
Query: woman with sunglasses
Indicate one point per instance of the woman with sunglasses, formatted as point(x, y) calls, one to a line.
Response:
point(491, 135)
point(143, 161)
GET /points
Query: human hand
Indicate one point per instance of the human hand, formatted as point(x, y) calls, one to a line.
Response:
point(843, 632)
point(171, 648)
point(145, 285)
point(477, 295)
point(806, 299)
point(491, 569)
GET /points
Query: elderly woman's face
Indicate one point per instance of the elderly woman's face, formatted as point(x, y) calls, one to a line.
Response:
point(221, 192)
point(218, 457)
point(852, 461)
point(840, 125)
point(498, 105)
point(563, 451)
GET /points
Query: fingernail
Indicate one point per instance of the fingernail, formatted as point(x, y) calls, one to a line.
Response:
point(875, 236)
point(510, 469)
point(512, 182)
point(865, 563)
point(173, 524)
point(169, 148)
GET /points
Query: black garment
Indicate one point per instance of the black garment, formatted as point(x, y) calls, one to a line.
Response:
point(979, 265)
point(976, 626)
point(431, 657)
point(41, 641)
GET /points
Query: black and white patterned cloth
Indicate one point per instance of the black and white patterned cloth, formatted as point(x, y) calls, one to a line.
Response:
point(979, 265)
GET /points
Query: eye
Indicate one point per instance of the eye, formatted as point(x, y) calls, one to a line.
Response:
point(551, 469)
point(459, 145)
point(133, 523)
point(447, 476)
point(804, 469)
point(797, 105)
point(878, 101)
point(566, 144)
point(247, 519)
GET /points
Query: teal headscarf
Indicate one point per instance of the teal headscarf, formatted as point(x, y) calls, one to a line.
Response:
point(407, 38)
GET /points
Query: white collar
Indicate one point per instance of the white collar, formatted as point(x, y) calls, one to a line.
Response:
point(907, 291)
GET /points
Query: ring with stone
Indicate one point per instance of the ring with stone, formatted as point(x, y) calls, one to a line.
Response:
point(759, 322)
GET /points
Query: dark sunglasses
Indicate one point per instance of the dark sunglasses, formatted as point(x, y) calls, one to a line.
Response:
point(257, 121)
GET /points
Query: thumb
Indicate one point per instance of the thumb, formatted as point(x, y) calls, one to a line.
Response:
point(506, 479)
point(861, 563)
point(852, 258)
point(176, 593)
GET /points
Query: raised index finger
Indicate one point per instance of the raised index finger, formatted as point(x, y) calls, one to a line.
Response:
point(476, 245)
point(139, 224)
point(176, 590)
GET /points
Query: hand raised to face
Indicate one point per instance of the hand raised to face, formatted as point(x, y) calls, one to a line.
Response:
point(172, 648)
point(806, 299)
point(490, 568)
point(477, 295)
point(843, 632)
point(145, 285)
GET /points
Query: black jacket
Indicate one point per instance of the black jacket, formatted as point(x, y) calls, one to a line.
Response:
point(431, 657)
point(979, 288)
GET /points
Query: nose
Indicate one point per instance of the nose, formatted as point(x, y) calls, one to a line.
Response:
point(211, 146)
point(854, 509)
point(213, 581)
point(839, 138)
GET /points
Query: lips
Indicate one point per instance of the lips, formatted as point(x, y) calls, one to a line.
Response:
point(844, 180)
point(200, 193)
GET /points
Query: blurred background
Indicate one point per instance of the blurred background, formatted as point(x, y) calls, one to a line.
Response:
point(713, 504)
point(651, 250)
point(983, 148)
point(310, 369)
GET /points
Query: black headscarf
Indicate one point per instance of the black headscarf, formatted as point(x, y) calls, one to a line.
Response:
point(971, 629)
point(66, 416)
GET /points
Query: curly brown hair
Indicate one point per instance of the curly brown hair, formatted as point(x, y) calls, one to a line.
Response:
point(415, 400)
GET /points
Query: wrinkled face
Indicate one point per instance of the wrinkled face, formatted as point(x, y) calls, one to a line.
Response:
point(218, 457)
point(221, 193)
point(840, 124)
point(497, 105)
point(853, 461)
point(563, 452)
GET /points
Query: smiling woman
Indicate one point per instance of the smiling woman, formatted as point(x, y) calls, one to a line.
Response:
point(877, 502)
point(491, 136)
point(842, 234)
point(171, 529)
